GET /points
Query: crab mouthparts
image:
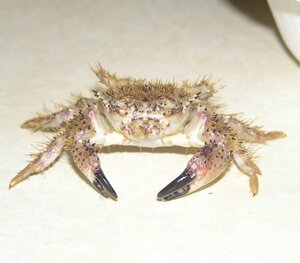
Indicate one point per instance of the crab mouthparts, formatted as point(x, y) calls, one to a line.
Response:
point(177, 188)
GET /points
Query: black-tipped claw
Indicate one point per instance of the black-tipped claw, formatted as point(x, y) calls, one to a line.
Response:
point(103, 186)
point(177, 188)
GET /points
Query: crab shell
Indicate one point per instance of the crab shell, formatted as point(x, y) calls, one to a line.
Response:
point(146, 113)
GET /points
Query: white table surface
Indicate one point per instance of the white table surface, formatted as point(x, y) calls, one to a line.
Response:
point(46, 50)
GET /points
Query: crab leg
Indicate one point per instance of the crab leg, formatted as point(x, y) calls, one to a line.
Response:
point(205, 166)
point(86, 158)
point(42, 161)
point(252, 134)
point(244, 162)
point(50, 121)
point(54, 120)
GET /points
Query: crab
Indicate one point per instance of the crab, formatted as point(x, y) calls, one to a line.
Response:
point(138, 112)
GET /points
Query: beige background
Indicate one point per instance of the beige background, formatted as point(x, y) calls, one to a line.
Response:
point(46, 50)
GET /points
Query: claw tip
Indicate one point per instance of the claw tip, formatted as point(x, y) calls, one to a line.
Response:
point(103, 186)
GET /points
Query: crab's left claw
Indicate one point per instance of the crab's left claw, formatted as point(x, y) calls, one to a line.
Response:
point(205, 166)
point(179, 187)
point(86, 158)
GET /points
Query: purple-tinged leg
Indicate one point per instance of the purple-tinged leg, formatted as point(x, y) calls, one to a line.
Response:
point(42, 161)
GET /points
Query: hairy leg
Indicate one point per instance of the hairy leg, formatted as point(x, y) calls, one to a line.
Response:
point(244, 161)
point(54, 120)
point(252, 134)
point(42, 161)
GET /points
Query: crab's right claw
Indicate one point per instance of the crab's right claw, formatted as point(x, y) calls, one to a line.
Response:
point(205, 166)
point(86, 158)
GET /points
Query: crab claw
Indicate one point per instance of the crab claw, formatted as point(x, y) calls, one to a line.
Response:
point(177, 188)
point(86, 158)
point(103, 186)
point(205, 166)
